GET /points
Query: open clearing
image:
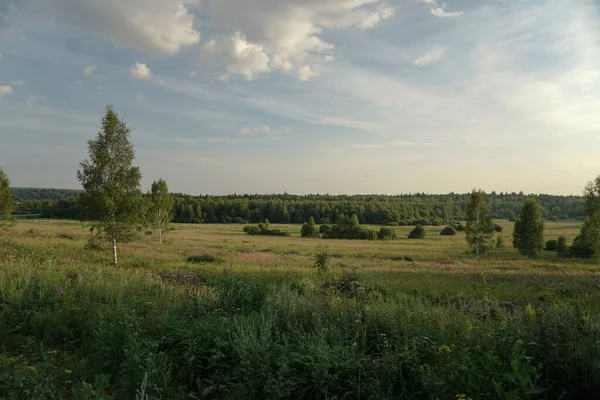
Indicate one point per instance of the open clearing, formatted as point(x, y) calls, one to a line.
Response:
point(392, 319)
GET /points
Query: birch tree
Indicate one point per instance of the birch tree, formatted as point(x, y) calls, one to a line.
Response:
point(160, 211)
point(112, 200)
point(528, 235)
point(6, 203)
point(480, 228)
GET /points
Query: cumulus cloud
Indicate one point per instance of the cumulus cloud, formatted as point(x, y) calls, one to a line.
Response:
point(157, 27)
point(89, 70)
point(265, 130)
point(286, 35)
point(243, 58)
point(140, 71)
point(5, 90)
point(439, 10)
point(433, 56)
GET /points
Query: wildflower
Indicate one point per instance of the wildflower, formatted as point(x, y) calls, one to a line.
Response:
point(31, 368)
point(444, 349)
point(68, 371)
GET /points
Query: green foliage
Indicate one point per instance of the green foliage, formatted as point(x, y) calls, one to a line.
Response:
point(551, 245)
point(528, 234)
point(309, 229)
point(386, 233)
point(203, 258)
point(160, 208)
point(587, 244)
point(498, 228)
point(322, 261)
point(349, 228)
point(561, 246)
point(460, 228)
point(324, 228)
point(499, 242)
point(581, 248)
point(6, 203)
point(263, 229)
point(112, 199)
point(480, 228)
point(448, 231)
point(417, 233)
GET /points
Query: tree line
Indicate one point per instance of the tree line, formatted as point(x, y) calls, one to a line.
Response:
point(408, 209)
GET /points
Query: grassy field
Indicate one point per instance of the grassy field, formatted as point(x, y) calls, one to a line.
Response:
point(257, 321)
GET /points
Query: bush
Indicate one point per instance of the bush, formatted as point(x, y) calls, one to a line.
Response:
point(324, 228)
point(203, 258)
point(309, 229)
point(392, 223)
point(386, 233)
point(448, 231)
point(417, 233)
point(263, 229)
point(253, 230)
point(460, 228)
point(500, 242)
point(581, 249)
point(322, 261)
point(498, 228)
point(551, 245)
point(349, 228)
point(561, 245)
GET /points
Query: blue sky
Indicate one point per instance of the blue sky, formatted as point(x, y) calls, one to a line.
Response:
point(307, 96)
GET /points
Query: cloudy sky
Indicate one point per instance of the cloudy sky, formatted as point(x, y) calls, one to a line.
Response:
point(307, 96)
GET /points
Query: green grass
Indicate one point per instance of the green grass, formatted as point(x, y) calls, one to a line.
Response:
point(253, 319)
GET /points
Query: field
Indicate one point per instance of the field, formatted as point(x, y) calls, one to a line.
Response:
point(251, 318)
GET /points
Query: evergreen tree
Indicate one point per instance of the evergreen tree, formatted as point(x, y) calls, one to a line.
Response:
point(480, 228)
point(528, 235)
point(112, 200)
point(160, 208)
point(6, 203)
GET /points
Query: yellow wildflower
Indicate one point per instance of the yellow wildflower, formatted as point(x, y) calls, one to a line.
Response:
point(31, 368)
point(444, 349)
point(68, 371)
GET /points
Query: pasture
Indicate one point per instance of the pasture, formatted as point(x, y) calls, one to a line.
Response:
point(249, 317)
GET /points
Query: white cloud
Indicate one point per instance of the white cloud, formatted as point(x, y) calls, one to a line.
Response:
point(265, 130)
point(140, 71)
point(157, 27)
point(5, 90)
point(439, 10)
point(31, 100)
point(286, 35)
point(433, 56)
point(89, 70)
point(243, 58)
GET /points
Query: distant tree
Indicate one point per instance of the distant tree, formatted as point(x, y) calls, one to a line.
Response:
point(460, 228)
point(589, 239)
point(551, 245)
point(498, 228)
point(188, 214)
point(112, 199)
point(479, 227)
point(6, 203)
point(417, 233)
point(528, 235)
point(561, 246)
point(309, 229)
point(387, 233)
point(160, 208)
point(324, 228)
point(499, 242)
point(448, 231)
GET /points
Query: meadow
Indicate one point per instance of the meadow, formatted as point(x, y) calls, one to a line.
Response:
point(215, 313)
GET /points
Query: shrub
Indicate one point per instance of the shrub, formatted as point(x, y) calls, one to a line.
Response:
point(309, 229)
point(561, 245)
point(324, 228)
point(417, 233)
point(386, 233)
point(253, 230)
point(551, 245)
point(498, 228)
point(580, 248)
point(392, 223)
point(499, 242)
point(203, 258)
point(322, 261)
point(263, 229)
point(460, 228)
point(349, 228)
point(448, 231)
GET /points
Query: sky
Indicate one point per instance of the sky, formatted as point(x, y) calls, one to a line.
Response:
point(307, 96)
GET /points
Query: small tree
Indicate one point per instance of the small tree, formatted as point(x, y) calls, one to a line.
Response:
point(6, 203)
point(589, 239)
point(309, 229)
point(112, 200)
point(480, 227)
point(417, 233)
point(561, 246)
point(448, 231)
point(386, 233)
point(498, 228)
point(551, 245)
point(160, 210)
point(528, 235)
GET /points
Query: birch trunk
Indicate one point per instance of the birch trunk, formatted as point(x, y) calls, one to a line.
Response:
point(114, 246)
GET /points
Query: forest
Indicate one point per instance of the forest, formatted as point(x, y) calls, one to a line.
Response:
point(403, 209)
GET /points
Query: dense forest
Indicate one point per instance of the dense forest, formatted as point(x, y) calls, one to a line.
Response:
point(405, 209)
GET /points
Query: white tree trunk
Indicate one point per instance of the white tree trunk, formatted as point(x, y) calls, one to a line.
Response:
point(114, 245)
point(160, 235)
